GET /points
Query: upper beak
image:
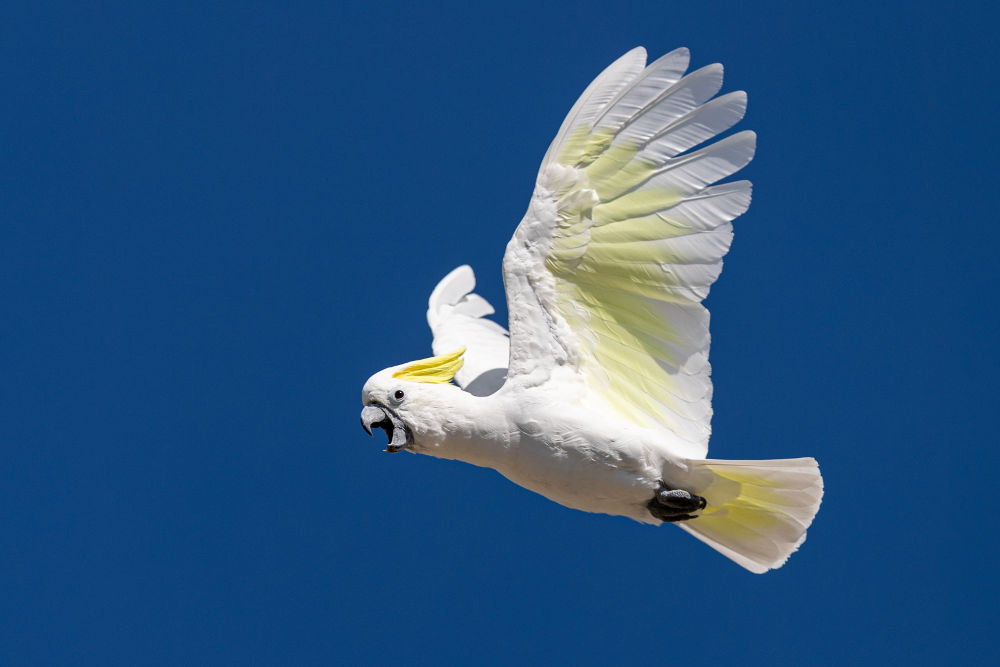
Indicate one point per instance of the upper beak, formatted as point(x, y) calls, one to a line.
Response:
point(386, 419)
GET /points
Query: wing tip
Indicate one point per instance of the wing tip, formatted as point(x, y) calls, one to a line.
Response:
point(637, 52)
point(459, 282)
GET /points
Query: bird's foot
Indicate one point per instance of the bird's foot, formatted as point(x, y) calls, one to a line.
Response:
point(674, 504)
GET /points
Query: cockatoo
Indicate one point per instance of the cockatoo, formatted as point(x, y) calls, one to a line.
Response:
point(599, 398)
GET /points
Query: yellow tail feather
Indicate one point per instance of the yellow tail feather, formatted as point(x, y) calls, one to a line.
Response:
point(758, 511)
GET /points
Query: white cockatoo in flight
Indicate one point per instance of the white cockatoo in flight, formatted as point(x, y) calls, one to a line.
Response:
point(600, 398)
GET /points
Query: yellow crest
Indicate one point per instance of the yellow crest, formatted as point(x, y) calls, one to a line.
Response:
point(438, 369)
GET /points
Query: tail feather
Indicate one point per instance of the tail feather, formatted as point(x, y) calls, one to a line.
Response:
point(758, 511)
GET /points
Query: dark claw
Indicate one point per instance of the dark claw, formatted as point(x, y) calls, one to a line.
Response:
point(679, 499)
point(675, 504)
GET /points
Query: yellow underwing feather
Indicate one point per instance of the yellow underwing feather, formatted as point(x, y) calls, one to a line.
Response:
point(624, 237)
point(439, 369)
point(654, 234)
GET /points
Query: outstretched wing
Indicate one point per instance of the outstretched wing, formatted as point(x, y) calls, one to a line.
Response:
point(456, 317)
point(623, 237)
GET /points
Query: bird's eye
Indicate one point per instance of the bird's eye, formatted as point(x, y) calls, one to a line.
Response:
point(398, 395)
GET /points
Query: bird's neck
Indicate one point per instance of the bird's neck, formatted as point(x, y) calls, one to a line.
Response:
point(468, 428)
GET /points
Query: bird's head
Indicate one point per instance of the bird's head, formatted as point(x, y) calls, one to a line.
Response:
point(400, 399)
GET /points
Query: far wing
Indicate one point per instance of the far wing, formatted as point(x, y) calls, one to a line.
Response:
point(456, 317)
point(623, 237)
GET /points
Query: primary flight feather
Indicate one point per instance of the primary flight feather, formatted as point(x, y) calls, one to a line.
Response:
point(600, 396)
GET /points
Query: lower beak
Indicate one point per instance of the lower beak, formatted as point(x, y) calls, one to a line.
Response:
point(378, 417)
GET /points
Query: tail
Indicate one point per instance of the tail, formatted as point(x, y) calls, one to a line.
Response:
point(758, 511)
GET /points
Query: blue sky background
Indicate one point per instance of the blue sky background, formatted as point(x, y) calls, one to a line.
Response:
point(217, 220)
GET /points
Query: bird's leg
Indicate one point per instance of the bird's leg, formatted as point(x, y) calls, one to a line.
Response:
point(674, 504)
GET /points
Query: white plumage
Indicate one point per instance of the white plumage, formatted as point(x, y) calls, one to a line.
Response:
point(600, 399)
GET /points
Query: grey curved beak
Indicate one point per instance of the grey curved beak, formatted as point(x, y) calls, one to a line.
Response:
point(378, 417)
